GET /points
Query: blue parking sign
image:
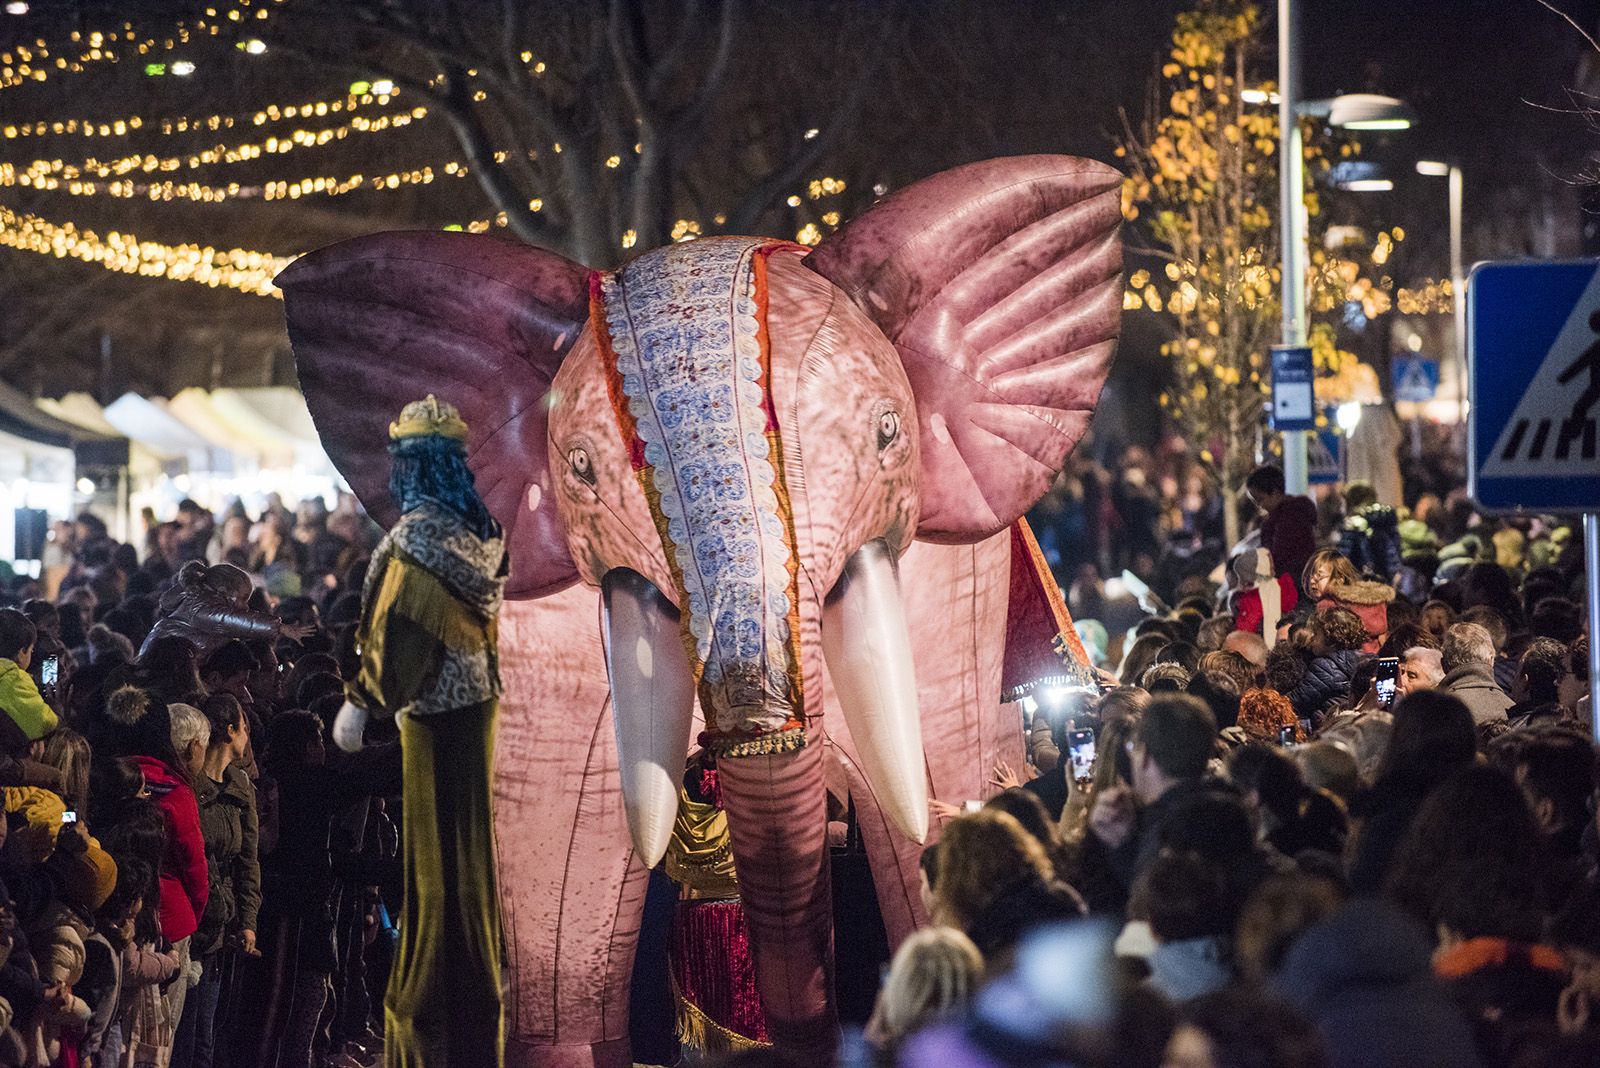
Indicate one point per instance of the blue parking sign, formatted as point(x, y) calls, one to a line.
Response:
point(1294, 402)
point(1534, 353)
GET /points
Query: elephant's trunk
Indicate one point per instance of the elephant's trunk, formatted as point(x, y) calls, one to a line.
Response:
point(776, 806)
point(776, 801)
point(772, 783)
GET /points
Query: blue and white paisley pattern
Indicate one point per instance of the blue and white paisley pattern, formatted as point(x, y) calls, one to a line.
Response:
point(683, 324)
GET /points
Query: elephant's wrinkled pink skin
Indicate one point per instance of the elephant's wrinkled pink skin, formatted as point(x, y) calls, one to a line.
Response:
point(567, 873)
point(996, 287)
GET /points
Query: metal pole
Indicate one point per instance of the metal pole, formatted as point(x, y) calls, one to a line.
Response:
point(1458, 287)
point(1591, 563)
point(1291, 165)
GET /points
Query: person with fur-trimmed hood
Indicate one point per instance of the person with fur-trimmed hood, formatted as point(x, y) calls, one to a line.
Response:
point(1332, 581)
point(428, 641)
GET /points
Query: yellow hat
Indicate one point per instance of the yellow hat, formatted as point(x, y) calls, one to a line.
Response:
point(428, 416)
point(88, 878)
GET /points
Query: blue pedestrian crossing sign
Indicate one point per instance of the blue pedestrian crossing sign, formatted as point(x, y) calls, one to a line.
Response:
point(1416, 379)
point(1324, 457)
point(1534, 353)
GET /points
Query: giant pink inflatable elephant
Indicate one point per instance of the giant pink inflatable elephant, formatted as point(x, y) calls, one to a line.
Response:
point(747, 486)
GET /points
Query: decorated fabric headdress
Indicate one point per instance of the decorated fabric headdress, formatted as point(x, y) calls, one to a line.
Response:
point(429, 446)
point(428, 417)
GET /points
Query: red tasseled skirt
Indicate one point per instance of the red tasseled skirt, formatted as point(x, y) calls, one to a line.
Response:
point(714, 978)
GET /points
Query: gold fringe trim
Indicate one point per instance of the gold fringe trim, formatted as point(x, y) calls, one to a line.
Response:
point(701, 1033)
point(787, 741)
point(411, 590)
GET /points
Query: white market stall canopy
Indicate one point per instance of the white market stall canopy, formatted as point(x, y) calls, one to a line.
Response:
point(164, 434)
point(243, 437)
point(225, 444)
point(41, 460)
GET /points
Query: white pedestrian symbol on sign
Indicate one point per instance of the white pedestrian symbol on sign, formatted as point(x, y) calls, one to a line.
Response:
point(1321, 463)
point(1553, 430)
point(1416, 384)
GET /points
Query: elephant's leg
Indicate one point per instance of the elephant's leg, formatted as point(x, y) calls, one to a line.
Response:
point(956, 598)
point(571, 889)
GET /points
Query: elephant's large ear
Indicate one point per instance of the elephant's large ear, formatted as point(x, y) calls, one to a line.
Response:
point(1000, 285)
point(382, 320)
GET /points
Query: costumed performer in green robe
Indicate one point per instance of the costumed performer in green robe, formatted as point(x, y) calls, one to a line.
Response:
point(427, 642)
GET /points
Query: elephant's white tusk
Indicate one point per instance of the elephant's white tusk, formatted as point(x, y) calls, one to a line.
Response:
point(868, 650)
point(652, 703)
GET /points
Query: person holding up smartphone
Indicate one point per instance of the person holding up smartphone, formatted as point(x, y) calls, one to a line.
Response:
point(28, 716)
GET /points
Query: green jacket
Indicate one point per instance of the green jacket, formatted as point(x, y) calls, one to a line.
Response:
point(231, 829)
point(27, 716)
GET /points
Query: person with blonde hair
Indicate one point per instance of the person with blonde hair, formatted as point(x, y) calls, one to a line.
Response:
point(932, 977)
point(68, 752)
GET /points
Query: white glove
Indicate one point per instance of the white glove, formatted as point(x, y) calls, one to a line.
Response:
point(349, 728)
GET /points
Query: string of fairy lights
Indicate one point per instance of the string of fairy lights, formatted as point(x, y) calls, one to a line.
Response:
point(50, 173)
point(379, 96)
point(26, 64)
point(368, 108)
point(242, 269)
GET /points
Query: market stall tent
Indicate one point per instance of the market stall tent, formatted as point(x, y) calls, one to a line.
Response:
point(50, 469)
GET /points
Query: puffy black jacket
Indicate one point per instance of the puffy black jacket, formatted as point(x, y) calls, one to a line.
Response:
point(1327, 679)
point(208, 620)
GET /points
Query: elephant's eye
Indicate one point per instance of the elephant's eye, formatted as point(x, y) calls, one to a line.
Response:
point(578, 460)
point(888, 428)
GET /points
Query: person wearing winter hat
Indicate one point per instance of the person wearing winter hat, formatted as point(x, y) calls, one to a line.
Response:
point(1263, 596)
point(86, 875)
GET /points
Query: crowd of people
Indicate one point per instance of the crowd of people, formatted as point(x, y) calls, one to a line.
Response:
point(189, 875)
point(1340, 809)
point(1332, 803)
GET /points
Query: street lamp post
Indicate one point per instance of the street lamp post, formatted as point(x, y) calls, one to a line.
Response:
point(1355, 111)
point(1291, 178)
point(1458, 273)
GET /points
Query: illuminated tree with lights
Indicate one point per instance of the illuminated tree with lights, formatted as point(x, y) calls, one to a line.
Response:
point(1202, 185)
point(599, 127)
point(592, 128)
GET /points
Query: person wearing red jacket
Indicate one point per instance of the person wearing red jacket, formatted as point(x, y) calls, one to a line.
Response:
point(1289, 529)
point(168, 742)
point(1263, 596)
